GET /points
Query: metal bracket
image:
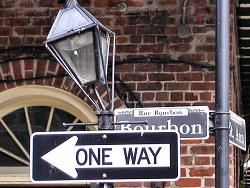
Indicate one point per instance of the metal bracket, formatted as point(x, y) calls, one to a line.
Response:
point(212, 115)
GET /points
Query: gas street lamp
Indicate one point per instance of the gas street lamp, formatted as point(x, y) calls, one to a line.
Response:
point(80, 43)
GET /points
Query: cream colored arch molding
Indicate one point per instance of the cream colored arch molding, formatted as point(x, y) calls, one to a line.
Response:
point(35, 95)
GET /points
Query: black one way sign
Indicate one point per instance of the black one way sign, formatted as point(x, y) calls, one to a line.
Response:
point(104, 156)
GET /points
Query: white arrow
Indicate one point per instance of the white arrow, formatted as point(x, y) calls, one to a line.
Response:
point(63, 158)
point(67, 156)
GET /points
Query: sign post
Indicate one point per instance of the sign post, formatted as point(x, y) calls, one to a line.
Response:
point(105, 156)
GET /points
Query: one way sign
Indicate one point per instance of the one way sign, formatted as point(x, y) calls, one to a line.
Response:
point(109, 156)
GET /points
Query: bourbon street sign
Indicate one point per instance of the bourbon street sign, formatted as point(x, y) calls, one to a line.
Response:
point(191, 122)
point(105, 156)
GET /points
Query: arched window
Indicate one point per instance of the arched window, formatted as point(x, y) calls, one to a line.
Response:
point(28, 109)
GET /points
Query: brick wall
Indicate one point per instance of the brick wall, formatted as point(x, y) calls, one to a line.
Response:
point(159, 66)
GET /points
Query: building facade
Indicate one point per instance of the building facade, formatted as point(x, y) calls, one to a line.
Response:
point(165, 57)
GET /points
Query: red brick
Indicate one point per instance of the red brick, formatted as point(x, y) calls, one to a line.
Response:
point(191, 96)
point(210, 76)
point(15, 41)
point(192, 57)
point(162, 96)
point(148, 67)
point(179, 47)
point(2, 87)
point(149, 86)
point(122, 39)
point(177, 86)
point(121, 21)
point(151, 30)
point(176, 96)
point(129, 30)
point(124, 67)
point(205, 48)
point(5, 68)
point(127, 49)
point(206, 96)
point(202, 86)
point(210, 39)
point(165, 3)
point(209, 182)
point(135, 39)
point(149, 39)
point(28, 64)
point(189, 182)
point(197, 20)
point(189, 76)
point(210, 140)
point(17, 21)
point(135, 3)
point(202, 160)
point(199, 172)
point(186, 160)
point(7, 4)
point(17, 70)
point(211, 57)
point(5, 31)
point(158, 184)
point(202, 150)
point(183, 149)
point(134, 77)
point(161, 77)
point(172, 30)
point(175, 67)
point(128, 184)
point(26, 4)
point(148, 96)
point(28, 30)
point(28, 74)
point(3, 41)
point(52, 66)
point(40, 70)
point(138, 20)
point(151, 48)
point(203, 29)
point(44, 21)
point(49, 4)
point(10, 85)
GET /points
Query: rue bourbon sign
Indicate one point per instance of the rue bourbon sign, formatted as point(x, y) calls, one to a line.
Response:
point(191, 122)
point(105, 156)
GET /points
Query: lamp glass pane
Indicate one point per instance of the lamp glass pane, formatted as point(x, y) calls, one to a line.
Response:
point(78, 52)
point(105, 48)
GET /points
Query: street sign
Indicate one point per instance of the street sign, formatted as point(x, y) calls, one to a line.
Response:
point(105, 156)
point(191, 122)
point(237, 131)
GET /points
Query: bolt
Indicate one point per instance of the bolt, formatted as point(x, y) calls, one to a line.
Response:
point(104, 175)
point(104, 136)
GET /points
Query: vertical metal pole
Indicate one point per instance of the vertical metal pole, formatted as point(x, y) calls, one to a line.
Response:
point(222, 94)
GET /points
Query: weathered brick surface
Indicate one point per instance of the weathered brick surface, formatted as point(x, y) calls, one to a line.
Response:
point(168, 71)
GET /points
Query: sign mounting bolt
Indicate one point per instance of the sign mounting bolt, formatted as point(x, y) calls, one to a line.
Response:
point(104, 136)
point(104, 175)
